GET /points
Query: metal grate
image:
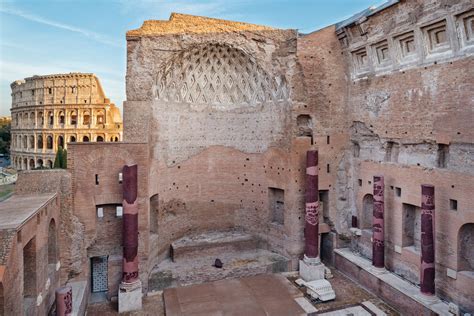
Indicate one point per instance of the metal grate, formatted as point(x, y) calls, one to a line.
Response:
point(99, 274)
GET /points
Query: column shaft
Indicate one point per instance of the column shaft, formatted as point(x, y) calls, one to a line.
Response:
point(312, 205)
point(64, 301)
point(427, 268)
point(378, 257)
point(130, 224)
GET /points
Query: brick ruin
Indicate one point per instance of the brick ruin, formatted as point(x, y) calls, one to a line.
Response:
point(219, 118)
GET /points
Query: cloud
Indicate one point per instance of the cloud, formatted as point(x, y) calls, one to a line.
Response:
point(38, 19)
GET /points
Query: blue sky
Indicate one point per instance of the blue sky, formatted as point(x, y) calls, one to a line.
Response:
point(39, 37)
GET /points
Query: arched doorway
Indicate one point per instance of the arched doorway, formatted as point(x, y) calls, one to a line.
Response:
point(60, 141)
point(85, 139)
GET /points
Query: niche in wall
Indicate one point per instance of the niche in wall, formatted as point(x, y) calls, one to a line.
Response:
point(276, 202)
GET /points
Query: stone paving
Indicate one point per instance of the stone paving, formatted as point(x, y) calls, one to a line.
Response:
point(349, 297)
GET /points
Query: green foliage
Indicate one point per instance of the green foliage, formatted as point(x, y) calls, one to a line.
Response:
point(64, 159)
point(59, 158)
point(60, 161)
point(5, 138)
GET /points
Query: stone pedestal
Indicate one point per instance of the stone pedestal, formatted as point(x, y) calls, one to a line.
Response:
point(311, 269)
point(130, 297)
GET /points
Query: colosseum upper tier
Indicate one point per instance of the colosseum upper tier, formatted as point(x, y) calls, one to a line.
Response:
point(50, 111)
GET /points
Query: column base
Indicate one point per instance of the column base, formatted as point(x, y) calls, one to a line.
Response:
point(376, 270)
point(130, 297)
point(311, 269)
point(427, 299)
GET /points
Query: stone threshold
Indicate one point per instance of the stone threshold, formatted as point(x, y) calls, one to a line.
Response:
point(404, 287)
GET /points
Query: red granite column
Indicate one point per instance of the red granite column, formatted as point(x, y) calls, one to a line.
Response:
point(427, 268)
point(312, 206)
point(130, 225)
point(378, 224)
point(64, 301)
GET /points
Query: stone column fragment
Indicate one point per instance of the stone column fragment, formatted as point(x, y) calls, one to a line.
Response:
point(64, 301)
point(427, 268)
point(378, 248)
point(312, 206)
point(130, 225)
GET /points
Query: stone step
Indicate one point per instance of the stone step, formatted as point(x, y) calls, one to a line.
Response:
point(211, 244)
point(186, 272)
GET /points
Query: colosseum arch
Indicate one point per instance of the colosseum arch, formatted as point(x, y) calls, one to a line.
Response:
point(73, 117)
point(49, 142)
point(219, 75)
point(32, 142)
point(61, 118)
point(32, 119)
point(100, 117)
point(39, 142)
point(60, 141)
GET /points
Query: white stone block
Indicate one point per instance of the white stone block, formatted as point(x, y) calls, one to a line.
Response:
point(320, 289)
point(311, 272)
point(130, 297)
point(300, 282)
point(58, 265)
point(451, 273)
point(453, 309)
point(398, 249)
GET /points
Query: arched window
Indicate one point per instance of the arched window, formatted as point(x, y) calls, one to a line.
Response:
point(25, 119)
point(39, 163)
point(25, 164)
point(32, 142)
point(73, 118)
point(50, 118)
point(39, 142)
point(60, 141)
point(61, 117)
point(41, 119)
point(116, 139)
point(112, 139)
point(367, 211)
point(100, 117)
point(50, 164)
point(49, 142)
point(32, 119)
point(100, 139)
point(86, 120)
point(72, 139)
point(25, 142)
point(85, 139)
point(32, 164)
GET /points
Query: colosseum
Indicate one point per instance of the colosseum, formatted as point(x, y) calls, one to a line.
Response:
point(51, 111)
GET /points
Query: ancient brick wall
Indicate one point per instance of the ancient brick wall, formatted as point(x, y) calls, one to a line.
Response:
point(95, 170)
point(35, 245)
point(232, 92)
point(410, 104)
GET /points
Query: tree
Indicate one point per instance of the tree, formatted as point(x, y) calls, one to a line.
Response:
point(5, 138)
point(58, 159)
point(64, 160)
